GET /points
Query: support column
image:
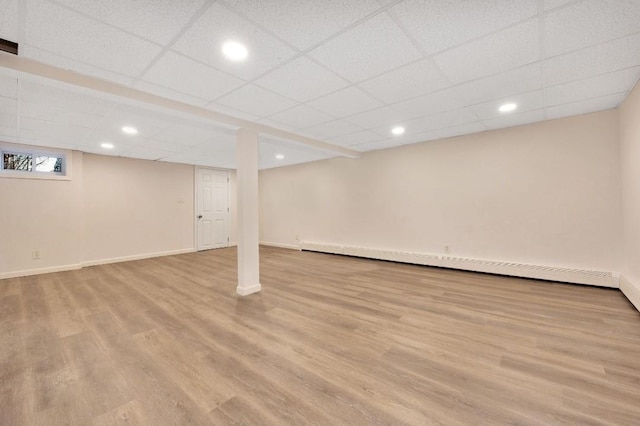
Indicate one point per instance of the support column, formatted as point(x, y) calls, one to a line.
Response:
point(248, 219)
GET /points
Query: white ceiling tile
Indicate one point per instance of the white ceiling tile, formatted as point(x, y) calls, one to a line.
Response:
point(356, 138)
point(407, 82)
point(464, 129)
point(8, 86)
point(148, 123)
point(190, 134)
point(433, 103)
point(9, 20)
point(601, 59)
point(8, 121)
point(8, 106)
point(421, 137)
point(525, 101)
point(588, 23)
point(164, 92)
point(91, 141)
point(219, 153)
point(224, 109)
point(384, 116)
point(331, 129)
point(221, 144)
point(95, 148)
point(584, 107)
point(60, 61)
point(50, 131)
point(300, 117)
point(145, 153)
point(371, 48)
point(155, 144)
point(256, 100)
point(346, 102)
point(78, 100)
point(30, 138)
point(8, 134)
point(552, 4)
point(304, 23)
point(615, 82)
point(204, 40)
point(203, 81)
point(156, 20)
point(439, 25)
point(49, 112)
point(276, 125)
point(443, 120)
point(499, 52)
point(519, 80)
point(302, 80)
point(512, 120)
point(85, 40)
point(294, 153)
point(373, 146)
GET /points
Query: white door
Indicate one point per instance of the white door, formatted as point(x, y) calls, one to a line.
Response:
point(212, 208)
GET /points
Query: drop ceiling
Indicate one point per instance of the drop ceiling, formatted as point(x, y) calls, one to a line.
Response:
point(340, 71)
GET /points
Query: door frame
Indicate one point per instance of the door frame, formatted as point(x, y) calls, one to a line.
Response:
point(195, 203)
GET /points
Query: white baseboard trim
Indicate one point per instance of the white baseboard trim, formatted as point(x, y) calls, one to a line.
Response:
point(136, 257)
point(245, 291)
point(280, 245)
point(550, 273)
point(38, 271)
point(76, 266)
point(631, 291)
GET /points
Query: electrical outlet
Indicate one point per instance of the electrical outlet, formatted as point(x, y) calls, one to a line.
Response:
point(35, 254)
point(446, 248)
point(297, 237)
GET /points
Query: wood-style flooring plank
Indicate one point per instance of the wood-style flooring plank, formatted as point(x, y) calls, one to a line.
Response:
point(330, 340)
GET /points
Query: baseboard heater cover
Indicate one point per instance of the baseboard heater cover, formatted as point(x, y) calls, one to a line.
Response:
point(549, 273)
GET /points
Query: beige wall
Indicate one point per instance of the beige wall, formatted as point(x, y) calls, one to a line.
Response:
point(135, 207)
point(44, 215)
point(112, 208)
point(630, 150)
point(545, 194)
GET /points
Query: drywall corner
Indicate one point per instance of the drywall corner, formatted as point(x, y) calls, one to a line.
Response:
point(631, 291)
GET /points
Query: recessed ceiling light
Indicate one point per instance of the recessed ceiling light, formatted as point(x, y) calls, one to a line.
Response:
point(280, 156)
point(508, 107)
point(398, 130)
point(107, 145)
point(235, 51)
point(130, 130)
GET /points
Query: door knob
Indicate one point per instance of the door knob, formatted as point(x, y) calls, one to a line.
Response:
point(199, 216)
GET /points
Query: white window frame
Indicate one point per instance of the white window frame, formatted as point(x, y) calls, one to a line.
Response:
point(35, 152)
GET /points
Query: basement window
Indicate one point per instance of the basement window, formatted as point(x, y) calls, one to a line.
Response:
point(16, 162)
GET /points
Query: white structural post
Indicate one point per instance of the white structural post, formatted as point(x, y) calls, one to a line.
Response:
point(247, 169)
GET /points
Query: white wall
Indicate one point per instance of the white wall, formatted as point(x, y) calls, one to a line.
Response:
point(630, 150)
point(44, 215)
point(111, 209)
point(545, 194)
point(135, 207)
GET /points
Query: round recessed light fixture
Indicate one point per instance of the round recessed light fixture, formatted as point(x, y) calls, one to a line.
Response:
point(107, 145)
point(235, 51)
point(279, 156)
point(399, 130)
point(130, 130)
point(508, 107)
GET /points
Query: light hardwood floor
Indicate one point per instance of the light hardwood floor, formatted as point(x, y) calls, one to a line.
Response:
point(330, 340)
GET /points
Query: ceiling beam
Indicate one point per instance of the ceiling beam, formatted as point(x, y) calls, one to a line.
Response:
point(40, 69)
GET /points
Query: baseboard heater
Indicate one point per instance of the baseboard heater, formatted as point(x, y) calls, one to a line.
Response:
point(549, 273)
